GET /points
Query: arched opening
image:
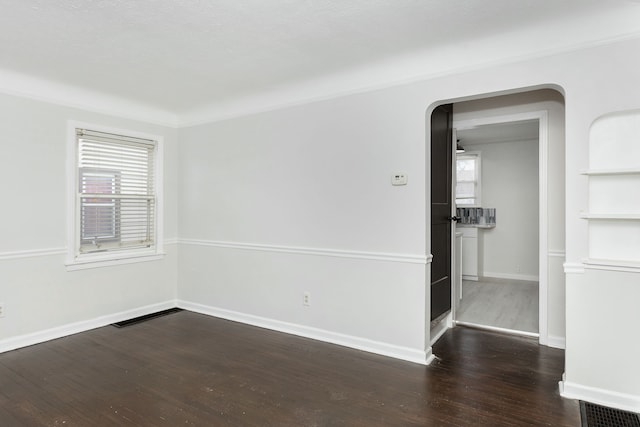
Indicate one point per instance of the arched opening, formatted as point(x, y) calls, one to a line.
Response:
point(514, 242)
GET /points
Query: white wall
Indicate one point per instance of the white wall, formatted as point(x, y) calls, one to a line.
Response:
point(317, 176)
point(41, 299)
point(602, 329)
point(510, 185)
point(300, 198)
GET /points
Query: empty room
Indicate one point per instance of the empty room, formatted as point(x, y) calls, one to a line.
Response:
point(244, 212)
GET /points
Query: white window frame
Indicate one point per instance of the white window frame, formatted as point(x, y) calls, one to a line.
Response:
point(75, 259)
point(478, 178)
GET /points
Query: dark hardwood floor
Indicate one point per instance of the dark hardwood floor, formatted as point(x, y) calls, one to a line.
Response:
point(191, 369)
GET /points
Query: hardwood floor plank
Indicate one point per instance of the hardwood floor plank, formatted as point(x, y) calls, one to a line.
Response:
point(191, 369)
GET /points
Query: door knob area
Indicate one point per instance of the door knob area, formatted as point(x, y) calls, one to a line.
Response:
point(454, 218)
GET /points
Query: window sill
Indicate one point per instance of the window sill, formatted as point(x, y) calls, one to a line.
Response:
point(111, 260)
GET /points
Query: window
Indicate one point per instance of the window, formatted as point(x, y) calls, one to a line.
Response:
point(98, 215)
point(468, 179)
point(116, 205)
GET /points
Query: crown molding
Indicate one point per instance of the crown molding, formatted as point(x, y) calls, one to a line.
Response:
point(24, 86)
point(367, 78)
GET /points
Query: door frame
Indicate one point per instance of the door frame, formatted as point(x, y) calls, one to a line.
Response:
point(543, 193)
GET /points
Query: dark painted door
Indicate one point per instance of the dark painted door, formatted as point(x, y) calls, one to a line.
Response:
point(441, 174)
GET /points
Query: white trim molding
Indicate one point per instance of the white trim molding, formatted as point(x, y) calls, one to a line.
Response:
point(371, 256)
point(512, 276)
point(573, 268)
point(20, 341)
point(611, 265)
point(557, 342)
point(437, 331)
point(33, 253)
point(42, 90)
point(350, 82)
point(385, 349)
point(612, 399)
point(343, 84)
point(556, 253)
point(498, 329)
point(127, 258)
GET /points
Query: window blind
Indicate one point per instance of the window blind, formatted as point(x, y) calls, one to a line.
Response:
point(116, 194)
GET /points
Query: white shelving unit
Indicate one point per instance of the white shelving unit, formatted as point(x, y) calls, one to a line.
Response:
point(614, 192)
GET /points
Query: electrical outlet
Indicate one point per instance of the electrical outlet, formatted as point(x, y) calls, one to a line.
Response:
point(306, 298)
point(1, 309)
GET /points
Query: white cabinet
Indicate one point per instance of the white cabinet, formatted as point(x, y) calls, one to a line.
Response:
point(457, 268)
point(469, 252)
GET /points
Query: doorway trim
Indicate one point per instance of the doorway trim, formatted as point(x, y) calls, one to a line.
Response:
point(543, 215)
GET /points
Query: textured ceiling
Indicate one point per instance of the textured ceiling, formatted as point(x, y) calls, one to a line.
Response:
point(187, 56)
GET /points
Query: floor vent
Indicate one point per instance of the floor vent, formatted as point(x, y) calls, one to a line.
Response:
point(141, 319)
point(600, 416)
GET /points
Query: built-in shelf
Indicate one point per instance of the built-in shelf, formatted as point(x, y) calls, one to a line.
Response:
point(613, 213)
point(616, 216)
point(596, 172)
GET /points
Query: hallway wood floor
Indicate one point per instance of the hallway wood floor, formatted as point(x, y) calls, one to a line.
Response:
point(500, 303)
point(191, 369)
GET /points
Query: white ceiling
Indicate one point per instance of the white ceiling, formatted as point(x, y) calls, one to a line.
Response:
point(500, 132)
point(190, 59)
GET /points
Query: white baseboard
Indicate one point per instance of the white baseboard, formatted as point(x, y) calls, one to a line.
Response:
point(385, 349)
point(466, 277)
point(428, 356)
point(443, 326)
point(527, 277)
point(498, 329)
point(612, 399)
point(20, 341)
point(556, 342)
point(398, 352)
